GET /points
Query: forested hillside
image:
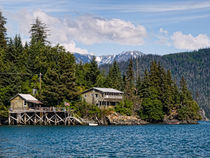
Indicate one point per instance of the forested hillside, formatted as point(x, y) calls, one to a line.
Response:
point(194, 66)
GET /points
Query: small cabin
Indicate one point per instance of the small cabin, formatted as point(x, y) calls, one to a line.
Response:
point(102, 96)
point(24, 101)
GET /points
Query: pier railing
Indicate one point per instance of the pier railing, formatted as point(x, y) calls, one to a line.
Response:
point(40, 109)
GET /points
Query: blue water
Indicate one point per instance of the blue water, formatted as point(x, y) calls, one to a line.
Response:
point(106, 141)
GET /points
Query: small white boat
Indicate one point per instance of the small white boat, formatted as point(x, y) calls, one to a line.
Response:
point(93, 124)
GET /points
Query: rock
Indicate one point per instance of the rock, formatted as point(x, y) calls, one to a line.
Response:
point(203, 115)
point(116, 119)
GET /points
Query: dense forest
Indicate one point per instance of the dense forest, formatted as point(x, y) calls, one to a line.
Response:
point(52, 74)
point(194, 66)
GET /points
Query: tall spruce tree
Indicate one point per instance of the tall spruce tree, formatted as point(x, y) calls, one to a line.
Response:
point(92, 73)
point(51, 93)
point(3, 31)
point(39, 32)
point(14, 51)
point(67, 76)
point(151, 107)
point(114, 77)
point(129, 87)
point(80, 76)
point(185, 93)
point(189, 109)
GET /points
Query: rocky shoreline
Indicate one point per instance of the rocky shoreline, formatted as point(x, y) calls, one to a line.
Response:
point(117, 119)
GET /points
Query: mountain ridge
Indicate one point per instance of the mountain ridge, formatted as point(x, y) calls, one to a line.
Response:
point(108, 59)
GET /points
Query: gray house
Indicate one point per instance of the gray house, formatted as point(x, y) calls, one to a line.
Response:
point(102, 96)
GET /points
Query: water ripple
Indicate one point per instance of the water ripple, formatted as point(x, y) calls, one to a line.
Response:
point(106, 141)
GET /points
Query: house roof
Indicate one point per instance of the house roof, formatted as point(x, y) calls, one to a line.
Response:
point(110, 90)
point(28, 98)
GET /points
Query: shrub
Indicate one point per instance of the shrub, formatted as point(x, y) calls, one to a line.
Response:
point(125, 107)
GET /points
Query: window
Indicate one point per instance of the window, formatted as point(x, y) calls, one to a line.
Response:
point(25, 103)
point(85, 95)
point(96, 95)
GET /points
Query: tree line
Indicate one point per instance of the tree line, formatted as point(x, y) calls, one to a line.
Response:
point(194, 66)
point(152, 95)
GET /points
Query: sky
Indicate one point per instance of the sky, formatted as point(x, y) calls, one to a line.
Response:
point(106, 27)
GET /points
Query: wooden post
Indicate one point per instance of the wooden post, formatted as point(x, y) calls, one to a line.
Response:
point(68, 119)
point(18, 118)
point(41, 116)
point(9, 118)
point(35, 118)
point(45, 119)
point(55, 118)
point(25, 118)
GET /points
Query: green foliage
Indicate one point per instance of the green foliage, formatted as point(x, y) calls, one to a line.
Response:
point(114, 77)
point(160, 95)
point(125, 107)
point(92, 73)
point(129, 81)
point(189, 111)
point(100, 81)
point(3, 31)
point(152, 110)
point(3, 111)
point(86, 110)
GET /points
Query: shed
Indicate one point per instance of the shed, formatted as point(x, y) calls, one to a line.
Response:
point(24, 101)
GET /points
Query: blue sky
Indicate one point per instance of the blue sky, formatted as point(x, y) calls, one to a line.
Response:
point(104, 27)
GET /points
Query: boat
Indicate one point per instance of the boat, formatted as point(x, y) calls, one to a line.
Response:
point(174, 123)
point(93, 124)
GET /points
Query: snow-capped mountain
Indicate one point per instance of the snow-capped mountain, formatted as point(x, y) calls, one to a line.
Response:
point(108, 59)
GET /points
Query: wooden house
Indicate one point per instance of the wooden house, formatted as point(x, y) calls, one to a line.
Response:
point(24, 101)
point(102, 96)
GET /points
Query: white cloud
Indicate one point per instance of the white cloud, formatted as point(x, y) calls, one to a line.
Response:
point(189, 42)
point(163, 37)
point(159, 7)
point(71, 47)
point(163, 31)
point(90, 30)
point(84, 29)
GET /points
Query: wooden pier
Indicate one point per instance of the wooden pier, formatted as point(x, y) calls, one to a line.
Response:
point(43, 116)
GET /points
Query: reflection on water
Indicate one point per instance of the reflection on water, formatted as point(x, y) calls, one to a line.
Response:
point(106, 141)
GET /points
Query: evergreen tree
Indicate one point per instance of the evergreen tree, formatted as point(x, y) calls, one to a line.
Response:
point(51, 93)
point(185, 93)
point(67, 76)
point(100, 81)
point(176, 95)
point(14, 52)
point(80, 76)
point(38, 32)
point(3, 31)
point(151, 107)
point(129, 86)
point(114, 77)
point(138, 86)
point(92, 73)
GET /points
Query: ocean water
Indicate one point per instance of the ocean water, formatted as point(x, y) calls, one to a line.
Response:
point(106, 141)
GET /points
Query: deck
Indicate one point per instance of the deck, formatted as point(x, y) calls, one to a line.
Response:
point(43, 116)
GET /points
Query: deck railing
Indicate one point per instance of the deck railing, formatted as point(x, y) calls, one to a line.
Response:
point(113, 96)
point(40, 109)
